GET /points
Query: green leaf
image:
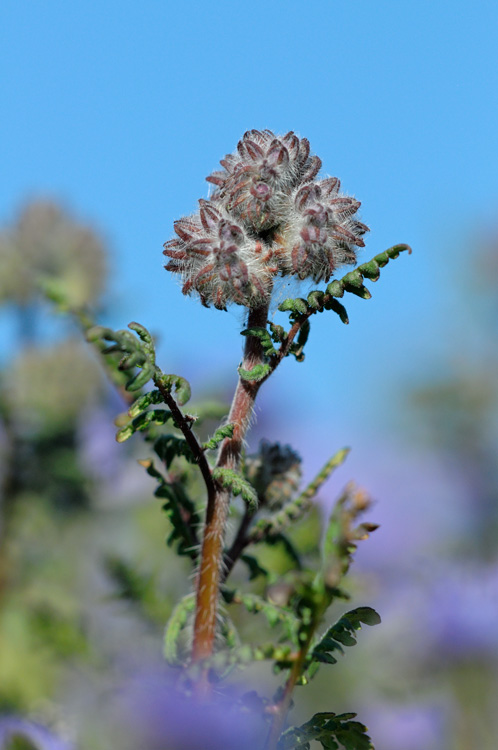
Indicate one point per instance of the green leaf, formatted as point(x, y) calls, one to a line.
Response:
point(142, 332)
point(274, 615)
point(370, 270)
point(257, 373)
point(278, 333)
point(340, 310)
point(169, 447)
point(315, 300)
point(303, 335)
point(342, 633)
point(226, 431)
point(335, 288)
point(174, 627)
point(352, 282)
point(342, 536)
point(263, 335)
point(296, 306)
point(142, 403)
point(330, 730)
point(141, 378)
point(360, 291)
point(353, 278)
point(143, 422)
point(181, 386)
point(236, 483)
point(180, 510)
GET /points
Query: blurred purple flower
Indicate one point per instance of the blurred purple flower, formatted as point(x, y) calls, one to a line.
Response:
point(462, 611)
point(103, 459)
point(12, 727)
point(409, 727)
point(153, 715)
point(99, 452)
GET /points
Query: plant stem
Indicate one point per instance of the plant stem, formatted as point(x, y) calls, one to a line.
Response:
point(238, 545)
point(184, 425)
point(211, 561)
point(282, 708)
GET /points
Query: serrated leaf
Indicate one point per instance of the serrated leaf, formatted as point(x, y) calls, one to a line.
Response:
point(236, 483)
point(226, 431)
point(330, 730)
point(342, 633)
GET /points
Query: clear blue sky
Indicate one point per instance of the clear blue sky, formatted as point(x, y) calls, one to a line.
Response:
point(122, 108)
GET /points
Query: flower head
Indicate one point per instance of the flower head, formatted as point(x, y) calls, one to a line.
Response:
point(275, 473)
point(267, 215)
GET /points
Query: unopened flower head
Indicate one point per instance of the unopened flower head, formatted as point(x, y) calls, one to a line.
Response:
point(268, 215)
point(274, 472)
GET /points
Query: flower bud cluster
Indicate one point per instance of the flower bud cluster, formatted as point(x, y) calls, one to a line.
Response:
point(267, 215)
point(274, 472)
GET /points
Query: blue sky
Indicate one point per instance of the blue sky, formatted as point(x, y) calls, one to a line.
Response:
point(121, 109)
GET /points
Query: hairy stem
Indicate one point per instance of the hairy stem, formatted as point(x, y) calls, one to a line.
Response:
point(184, 425)
point(211, 562)
point(238, 545)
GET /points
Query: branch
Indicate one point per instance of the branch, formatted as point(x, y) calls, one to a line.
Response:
point(183, 423)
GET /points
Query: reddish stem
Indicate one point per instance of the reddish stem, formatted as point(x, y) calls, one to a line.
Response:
point(211, 564)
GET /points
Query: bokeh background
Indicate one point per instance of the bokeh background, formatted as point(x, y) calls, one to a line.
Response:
point(112, 115)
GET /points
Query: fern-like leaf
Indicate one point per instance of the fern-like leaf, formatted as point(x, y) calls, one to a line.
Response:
point(234, 482)
point(332, 731)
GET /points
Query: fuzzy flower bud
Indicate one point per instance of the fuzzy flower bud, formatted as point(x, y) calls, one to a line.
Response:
point(267, 215)
point(275, 473)
point(219, 260)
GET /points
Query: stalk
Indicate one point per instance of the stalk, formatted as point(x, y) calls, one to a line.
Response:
point(282, 708)
point(211, 560)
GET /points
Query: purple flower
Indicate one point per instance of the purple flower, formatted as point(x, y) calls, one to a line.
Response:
point(152, 714)
point(462, 611)
point(120, 478)
point(419, 726)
